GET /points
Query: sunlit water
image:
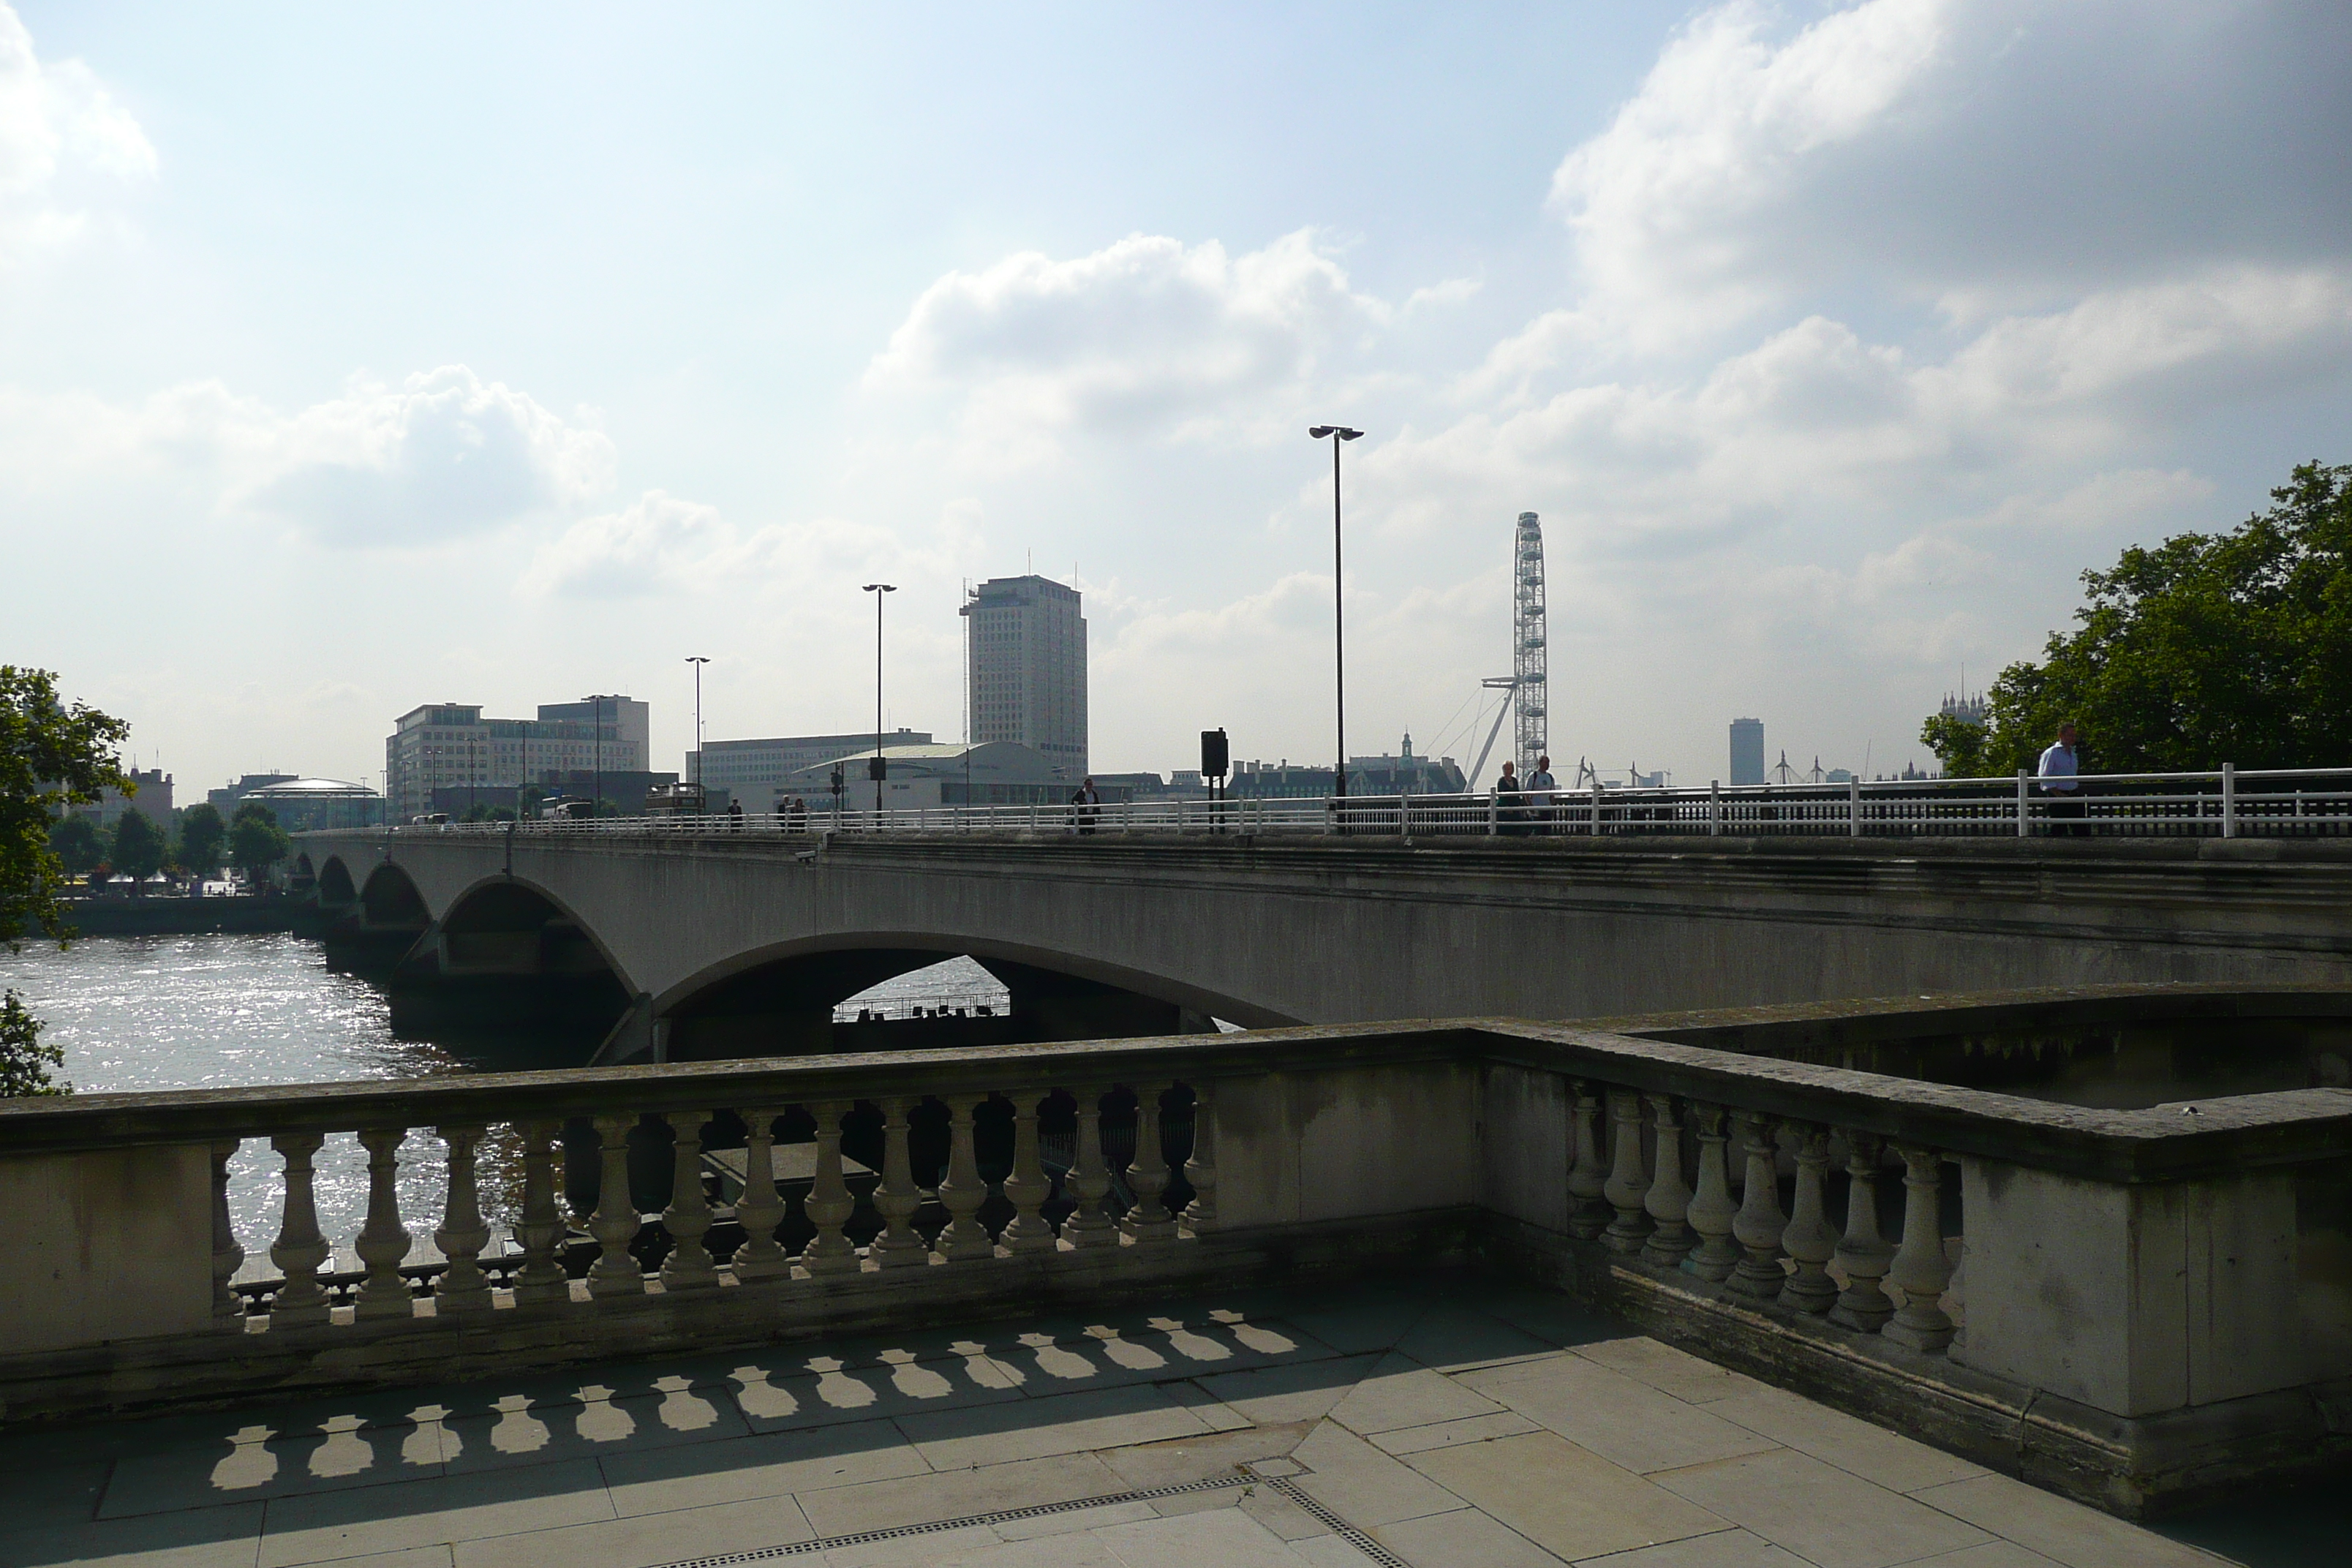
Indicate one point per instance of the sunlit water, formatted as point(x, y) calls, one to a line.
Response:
point(140, 1014)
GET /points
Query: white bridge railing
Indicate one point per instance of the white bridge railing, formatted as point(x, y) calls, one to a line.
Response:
point(2229, 803)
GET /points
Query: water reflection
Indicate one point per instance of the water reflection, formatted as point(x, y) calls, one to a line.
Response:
point(135, 1015)
point(140, 1014)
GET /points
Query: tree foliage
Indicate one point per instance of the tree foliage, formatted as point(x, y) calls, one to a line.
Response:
point(74, 840)
point(25, 1061)
point(51, 755)
point(2205, 649)
point(255, 842)
point(139, 846)
point(204, 837)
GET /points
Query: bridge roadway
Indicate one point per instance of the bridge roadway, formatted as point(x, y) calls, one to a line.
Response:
point(740, 943)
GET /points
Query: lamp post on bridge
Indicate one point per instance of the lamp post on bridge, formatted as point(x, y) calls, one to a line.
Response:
point(878, 590)
point(698, 661)
point(1338, 434)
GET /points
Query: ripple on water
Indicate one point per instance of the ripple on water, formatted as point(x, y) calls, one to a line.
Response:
point(134, 1014)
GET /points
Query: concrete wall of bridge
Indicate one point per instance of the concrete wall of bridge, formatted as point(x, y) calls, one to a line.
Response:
point(1327, 931)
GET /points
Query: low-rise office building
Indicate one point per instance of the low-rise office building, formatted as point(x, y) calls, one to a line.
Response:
point(754, 771)
point(446, 744)
point(996, 772)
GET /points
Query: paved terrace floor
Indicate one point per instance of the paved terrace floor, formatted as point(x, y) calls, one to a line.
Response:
point(1462, 1424)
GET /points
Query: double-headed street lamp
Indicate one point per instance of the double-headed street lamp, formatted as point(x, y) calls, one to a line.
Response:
point(698, 661)
point(878, 590)
point(1339, 603)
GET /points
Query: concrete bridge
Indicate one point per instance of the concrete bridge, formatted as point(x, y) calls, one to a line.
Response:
point(725, 944)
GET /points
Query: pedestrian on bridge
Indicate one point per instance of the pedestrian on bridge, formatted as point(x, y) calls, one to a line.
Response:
point(2060, 775)
point(1085, 800)
point(1540, 784)
point(796, 815)
point(734, 817)
point(1510, 812)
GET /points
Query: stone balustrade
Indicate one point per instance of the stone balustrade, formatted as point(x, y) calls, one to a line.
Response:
point(2127, 1304)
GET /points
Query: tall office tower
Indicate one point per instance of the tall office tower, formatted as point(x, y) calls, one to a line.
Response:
point(1527, 640)
point(1026, 646)
point(1748, 751)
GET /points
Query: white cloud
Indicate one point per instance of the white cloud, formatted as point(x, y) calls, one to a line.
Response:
point(1663, 202)
point(57, 122)
point(1146, 337)
point(442, 456)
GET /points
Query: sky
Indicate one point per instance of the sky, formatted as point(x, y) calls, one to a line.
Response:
point(353, 359)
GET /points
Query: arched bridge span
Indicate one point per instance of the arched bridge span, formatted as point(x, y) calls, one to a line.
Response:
point(1330, 930)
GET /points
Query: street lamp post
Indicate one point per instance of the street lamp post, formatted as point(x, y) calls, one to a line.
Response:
point(698, 661)
point(878, 590)
point(1338, 433)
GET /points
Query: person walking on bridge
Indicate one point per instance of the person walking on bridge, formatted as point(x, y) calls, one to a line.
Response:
point(1084, 800)
point(1540, 784)
point(1509, 813)
point(2060, 775)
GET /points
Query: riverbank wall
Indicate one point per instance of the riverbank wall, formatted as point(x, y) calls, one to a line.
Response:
point(181, 916)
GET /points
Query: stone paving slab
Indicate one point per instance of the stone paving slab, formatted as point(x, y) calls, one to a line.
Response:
point(1455, 1425)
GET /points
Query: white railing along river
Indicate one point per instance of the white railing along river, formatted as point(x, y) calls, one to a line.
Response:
point(2228, 804)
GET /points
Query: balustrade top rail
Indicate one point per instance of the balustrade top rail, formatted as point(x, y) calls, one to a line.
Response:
point(2227, 803)
point(2164, 1144)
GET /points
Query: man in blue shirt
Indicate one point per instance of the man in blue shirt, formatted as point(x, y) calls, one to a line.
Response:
point(2061, 774)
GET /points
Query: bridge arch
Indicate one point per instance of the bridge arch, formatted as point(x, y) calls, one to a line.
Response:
point(510, 962)
point(390, 898)
point(336, 888)
point(779, 996)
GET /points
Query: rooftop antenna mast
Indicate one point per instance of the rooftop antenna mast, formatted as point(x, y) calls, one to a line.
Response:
point(1530, 694)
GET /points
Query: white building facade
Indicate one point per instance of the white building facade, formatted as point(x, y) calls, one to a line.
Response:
point(753, 772)
point(1025, 649)
point(451, 745)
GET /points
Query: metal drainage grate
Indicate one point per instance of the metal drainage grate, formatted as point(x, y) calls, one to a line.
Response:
point(1340, 1527)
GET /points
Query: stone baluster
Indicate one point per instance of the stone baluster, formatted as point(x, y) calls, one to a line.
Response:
point(1149, 1221)
point(1712, 1211)
point(541, 1278)
point(1668, 1199)
point(1861, 1252)
point(962, 1191)
point(759, 1208)
point(1027, 1188)
point(689, 1265)
point(1201, 1165)
point(299, 1249)
point(228, 1257)
point(900, 1244)
point(615, 1223)
point(1809, 1239)
point(1920, 1270)
point(829, 1204)
point(1626, 1186)
point(1089, 1225)
point(1588, 1178)
point(462, 1287)
point(382, 1243)
point(1759, 1224)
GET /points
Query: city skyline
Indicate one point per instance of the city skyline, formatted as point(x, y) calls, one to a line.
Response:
point(1830, 343)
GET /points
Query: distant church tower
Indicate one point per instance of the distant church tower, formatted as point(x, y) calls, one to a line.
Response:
point(1527, 641)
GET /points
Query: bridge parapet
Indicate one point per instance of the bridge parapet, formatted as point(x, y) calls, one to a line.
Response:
point(2138, 1307)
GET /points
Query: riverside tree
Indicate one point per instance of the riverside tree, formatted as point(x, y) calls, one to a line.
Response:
point(139, 846)
point(203, 838)
point(74, 840)
point(255, 842)
point(51, 756)
point(2205, 649)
